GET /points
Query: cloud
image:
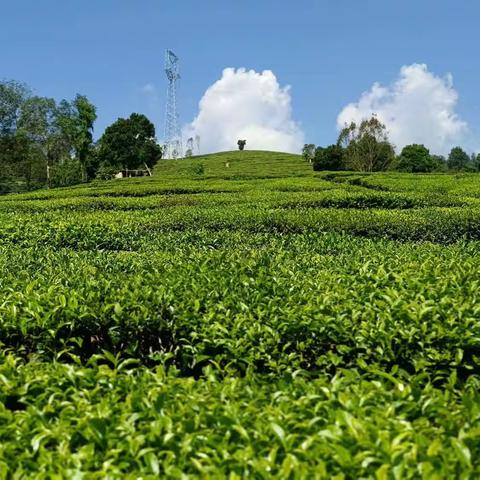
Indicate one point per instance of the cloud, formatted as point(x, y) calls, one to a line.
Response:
point(246, 105)
point(419, 107)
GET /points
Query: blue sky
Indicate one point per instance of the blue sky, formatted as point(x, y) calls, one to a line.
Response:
point(329, 52)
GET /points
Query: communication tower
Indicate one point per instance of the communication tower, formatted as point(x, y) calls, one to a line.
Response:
point(173, 147)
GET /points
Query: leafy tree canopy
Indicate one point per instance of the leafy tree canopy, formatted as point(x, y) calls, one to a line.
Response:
point(39, 137)
point(129, 144)
point(476, 162)
point(12, 97)
point(329, 158)
point(458, 159)
point(367, 146)
point(415, 158)
point(76, 120)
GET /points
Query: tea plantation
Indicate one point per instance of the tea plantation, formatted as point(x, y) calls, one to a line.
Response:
point(238, 315)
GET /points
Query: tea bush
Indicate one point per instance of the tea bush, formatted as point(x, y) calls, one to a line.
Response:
point(118, 420)
point(258, 320)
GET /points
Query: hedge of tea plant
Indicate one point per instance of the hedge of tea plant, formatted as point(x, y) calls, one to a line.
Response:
point(256, 320)
point(112, 418)
point(249, 302)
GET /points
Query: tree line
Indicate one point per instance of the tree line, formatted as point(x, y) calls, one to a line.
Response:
point(365, 147)
point(48, 143)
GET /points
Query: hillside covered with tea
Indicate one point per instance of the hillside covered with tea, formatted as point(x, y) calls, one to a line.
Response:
point(239, 315)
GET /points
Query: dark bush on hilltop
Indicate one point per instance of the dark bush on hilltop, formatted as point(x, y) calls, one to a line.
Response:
point(415, 158)
point(329, 158)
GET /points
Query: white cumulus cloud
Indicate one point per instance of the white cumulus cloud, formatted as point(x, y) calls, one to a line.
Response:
point(419, 107)
point(245, 104)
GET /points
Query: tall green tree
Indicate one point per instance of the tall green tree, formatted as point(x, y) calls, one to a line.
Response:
point(87, 114)
point(476, 162)
point(415, 158)
point(22, 164)
point(37, 136)
point(367, 147)
point(76, 120)
point(458, 159)
point(37, 118)
point(129, 144)
point(38, 122)
point(12, 97)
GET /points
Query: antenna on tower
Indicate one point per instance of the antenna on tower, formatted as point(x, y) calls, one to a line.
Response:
point(173, 147)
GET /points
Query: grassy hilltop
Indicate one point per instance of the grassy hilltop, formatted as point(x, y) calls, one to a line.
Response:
point(239, 315)
point(231, 165)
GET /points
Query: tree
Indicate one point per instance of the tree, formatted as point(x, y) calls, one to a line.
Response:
point(37, 118)
point(24, 131)
point(476, 162)
point(37, 136)
point(241, 144)
point(76, 120)
point(24, 162)
point(457, 159)
point(86, 116)
point(12, 97)
point(38, 121)
point(439, 163)
point(415, 158)
point(10, 152)
point(330, 158)
point(68, 172)
point(308, 152)
point(367, 146)
point(129, 144)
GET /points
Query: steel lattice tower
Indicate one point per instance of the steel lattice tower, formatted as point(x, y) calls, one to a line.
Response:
point(173, 147)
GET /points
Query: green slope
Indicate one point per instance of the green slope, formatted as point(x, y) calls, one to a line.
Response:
point(246, 164)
